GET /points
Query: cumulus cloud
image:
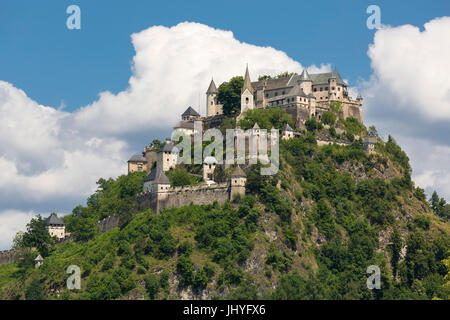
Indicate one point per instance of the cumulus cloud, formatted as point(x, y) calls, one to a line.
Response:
point(408, 96)
point(12, 221)
point(50, 158)
point(172, 70)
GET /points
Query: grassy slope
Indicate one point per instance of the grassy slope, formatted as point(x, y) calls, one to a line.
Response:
point(267, 238)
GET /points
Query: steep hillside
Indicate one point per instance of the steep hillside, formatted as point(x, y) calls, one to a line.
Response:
point(309, 232)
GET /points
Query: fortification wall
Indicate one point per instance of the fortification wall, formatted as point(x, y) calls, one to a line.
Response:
point(196, 195)
point(108, 223)
point(183, 196)
point(213, 122)
point(8, 256)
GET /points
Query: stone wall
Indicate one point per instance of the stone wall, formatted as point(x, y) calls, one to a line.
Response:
point(8, 256)
point(183, 196)
point(108, 223)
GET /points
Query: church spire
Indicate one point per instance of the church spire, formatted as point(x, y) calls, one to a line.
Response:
point(212, 87)
point(247, 82)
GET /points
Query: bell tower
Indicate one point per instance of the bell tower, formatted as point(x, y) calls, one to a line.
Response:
point(247, 102)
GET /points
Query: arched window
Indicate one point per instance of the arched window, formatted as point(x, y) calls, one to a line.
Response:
point(246, 100)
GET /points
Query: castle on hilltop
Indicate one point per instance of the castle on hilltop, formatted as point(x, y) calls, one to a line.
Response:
point(303, 97)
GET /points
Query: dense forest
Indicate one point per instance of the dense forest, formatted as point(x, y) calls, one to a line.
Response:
point(308, 232)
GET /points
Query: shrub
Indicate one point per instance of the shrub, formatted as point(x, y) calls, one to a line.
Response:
point(422, 222)
point(185, 248)
point(328, 117)
point(152, 285)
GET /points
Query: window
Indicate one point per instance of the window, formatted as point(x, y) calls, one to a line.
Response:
point(326, 88)
point(339, 88)
point(212, 102)
point(267, 95)
point(276, 93)
point(282, 92)
point(315, 89)
point(321, 89)
point(246, 100)
point(332, 88)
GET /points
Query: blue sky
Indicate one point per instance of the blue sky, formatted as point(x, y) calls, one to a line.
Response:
point(53, 64)
point(124, 80)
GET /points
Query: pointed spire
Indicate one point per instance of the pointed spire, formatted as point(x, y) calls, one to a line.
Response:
point(335, 74)
point(238, 172)
point(247, 82)
point(212, 87)
point(359, 97)
point(305, 75)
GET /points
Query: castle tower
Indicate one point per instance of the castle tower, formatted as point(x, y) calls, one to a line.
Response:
point(238, 181)
point(150, 154)
point(287, 132)
point(166, 156)
point(209, 165)
point(332, 87)
point(212, 106)
point(55, 226)
point(359, 98)
point(305, 82)
point(38, 261)
point(247, 102)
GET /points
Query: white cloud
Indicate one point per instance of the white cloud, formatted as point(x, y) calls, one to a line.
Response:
point(408, 96)
point(12, 221)
point(412, 67)
point(172, 70)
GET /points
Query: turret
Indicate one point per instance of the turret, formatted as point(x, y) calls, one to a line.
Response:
point(305, 82)
point(247, 102)
point(238, 181)
point(212, 106)
point(209, 165)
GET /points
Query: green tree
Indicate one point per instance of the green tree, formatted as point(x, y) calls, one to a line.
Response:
point(34, 290)
point(328, 117)
point(230, 95)
point(395, 249)
point(152, 285)
point(37, 236)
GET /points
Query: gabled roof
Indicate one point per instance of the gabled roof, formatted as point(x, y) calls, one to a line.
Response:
point(318, 78)
point(238, 172)
point(287, 127)
point(256, 126)
point(247, 82)
point(168, 147)
point(157, 176)
point(293, 92)
point(272, 84)
point(137, 158)
point(190, 112)
point(39, 258)
point(212, 87)
point(54, 220)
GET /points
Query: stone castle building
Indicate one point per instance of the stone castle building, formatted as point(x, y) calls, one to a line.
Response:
point(303, 97)
point(55, 226)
